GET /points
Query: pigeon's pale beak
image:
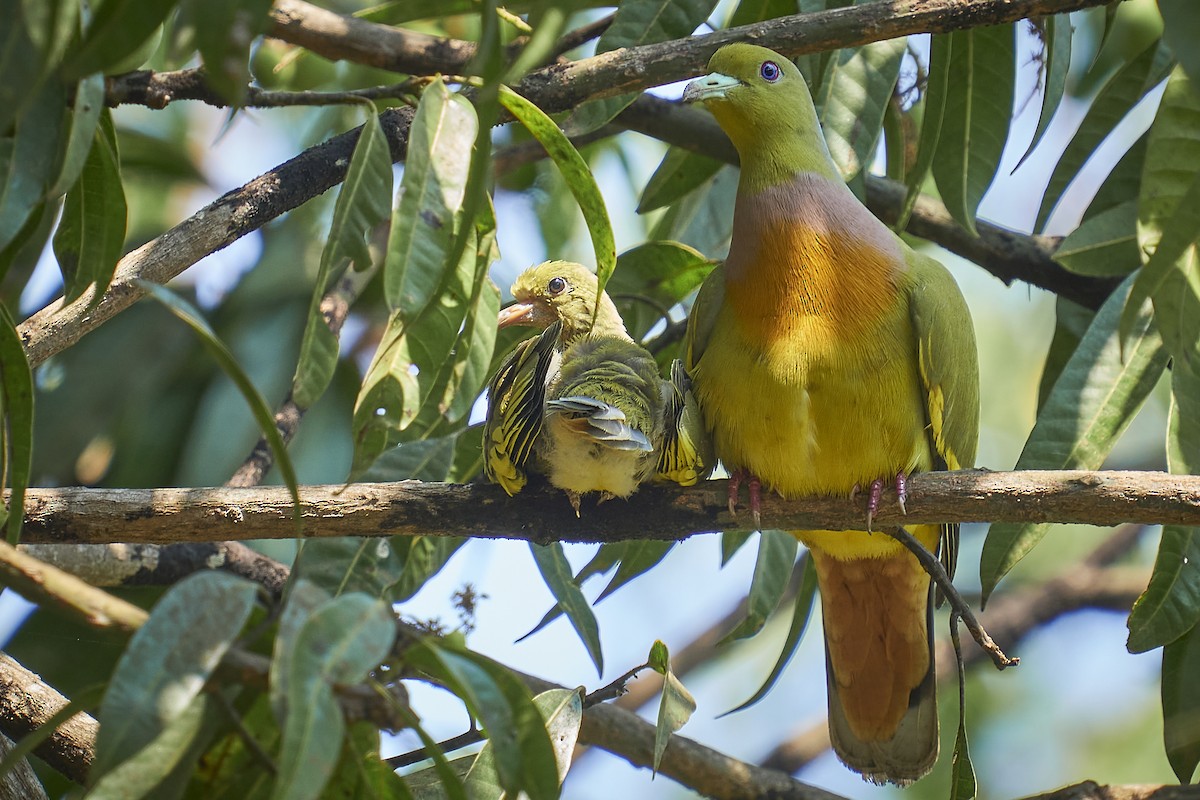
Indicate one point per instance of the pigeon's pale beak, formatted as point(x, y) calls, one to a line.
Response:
point(516, 314)
point(710, 87)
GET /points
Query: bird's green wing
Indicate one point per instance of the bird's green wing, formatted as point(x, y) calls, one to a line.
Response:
point(686, 456)
point(949, 370)
point(516, 399)
point(703, 317)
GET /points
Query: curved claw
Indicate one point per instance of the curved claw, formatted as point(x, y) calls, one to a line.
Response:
point(754, 485)
point(876, 496)
point(873, 498)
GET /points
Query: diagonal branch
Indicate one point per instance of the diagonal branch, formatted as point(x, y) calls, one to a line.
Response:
point(542, 515)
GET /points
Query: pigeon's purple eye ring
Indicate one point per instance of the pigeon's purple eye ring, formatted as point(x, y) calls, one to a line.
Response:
point(770, 71)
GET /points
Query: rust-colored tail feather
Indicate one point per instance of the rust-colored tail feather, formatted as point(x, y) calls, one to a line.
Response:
point(879, 665)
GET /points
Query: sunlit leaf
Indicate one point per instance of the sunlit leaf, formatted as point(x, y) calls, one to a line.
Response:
point(937, 93)
point(1105, 245)
point(339, 643)
point(654, 276)
point(703, 219)
point(576, 174)
point(976, 117)
point(1094, 399)
point(563, 711)
point(854, 97)
point(363, 202)
point(91, 232)
point(258, 406)
point(85, 116)
point(168, 661)
point(556, 572)
point(638, 22)
point(1071, 322)
point(776, 556)
point(1118, 95)
point(801, 614)
point(675, 707)
point(1181, 704)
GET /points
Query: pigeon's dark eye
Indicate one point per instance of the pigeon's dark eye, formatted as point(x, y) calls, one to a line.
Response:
point(556, 286)
point(770, 71)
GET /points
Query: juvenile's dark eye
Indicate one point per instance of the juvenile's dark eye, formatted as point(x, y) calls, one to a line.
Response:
point(770, 71)
point(556, 286)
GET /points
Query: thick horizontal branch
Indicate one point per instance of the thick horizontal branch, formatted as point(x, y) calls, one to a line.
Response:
point(97, 516)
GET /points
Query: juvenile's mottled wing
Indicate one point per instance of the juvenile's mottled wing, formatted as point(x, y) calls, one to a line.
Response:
point(687, 455)
point(516, 401)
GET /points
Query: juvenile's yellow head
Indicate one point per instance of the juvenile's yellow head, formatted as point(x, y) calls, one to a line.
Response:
point(562, 290)
point(762, 102)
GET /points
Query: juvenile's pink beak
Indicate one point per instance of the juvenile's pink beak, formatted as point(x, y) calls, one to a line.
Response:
point(516, 314)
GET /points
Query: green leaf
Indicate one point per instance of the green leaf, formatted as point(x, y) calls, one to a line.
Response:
point(424, 557)
point(962, 771)
point(731, 542)
point(674, 710)
point(638, 22)
point(118, 30)
point(1055, 31)
point(91, 232)
point(361, 774)
point(1105, 245)
point(640, 557)
point(936, 96)
point(29, 163)
point(163, 767)
point(363, 203)
point(168, 661)
point(1118, 95)
point(556, 572)
point(776, 557)
point(1091, 404)
point(304, 597)
point(801, 614)
point(659, 659)
point(855, 92)
point(656, 275)
point(680, 172)
point(231, 769)
point(1170, 606)
point(975, 121)
point(85, 117)
point(1181, 704)
point(188, 313)
point(703, 219)
point(562, 710)
point(426, 219)
point(339, 643)
point(1122, 183)
point(1071, 322)
point(575, 172)
point(443, 780)
point(16, 428)
point(224, 31)
point(521, 747)
point(1169, 222)
point(1183, 421)
point(749, 11)
point(1181, 20)
point(21, 63)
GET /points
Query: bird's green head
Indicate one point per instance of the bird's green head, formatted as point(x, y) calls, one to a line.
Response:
point(762, 102)
point(561, 290)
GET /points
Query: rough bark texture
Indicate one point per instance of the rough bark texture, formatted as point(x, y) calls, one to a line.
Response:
point(26, 703)
point(161, 516)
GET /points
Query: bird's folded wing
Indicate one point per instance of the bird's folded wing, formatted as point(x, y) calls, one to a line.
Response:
point(686, 456)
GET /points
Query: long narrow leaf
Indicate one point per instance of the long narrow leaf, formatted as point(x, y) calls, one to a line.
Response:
point(556, 572)
point(776, 557)
point(1181, 704)
point(16, 382)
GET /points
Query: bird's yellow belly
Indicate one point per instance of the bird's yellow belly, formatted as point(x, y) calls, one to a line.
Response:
point(579, 464)
point(811, 419)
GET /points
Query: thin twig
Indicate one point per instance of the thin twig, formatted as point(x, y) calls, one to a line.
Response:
point(252, 744)
point(464, 739)
point(613, 689)
point(581, 35)
point(959, 606)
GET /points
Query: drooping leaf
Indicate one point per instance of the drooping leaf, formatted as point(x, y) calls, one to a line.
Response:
point(363, 202)
point(962, 772)
point(1096, 396)
point(801, 614)
point(556, 572)
point(1105, 245)
point(1055, 32)
point(654, 276)
point(937, 93)
point(776, 557)
point(361, 774)
point(679, 172)
point(638, 22)
point(1181, 20)
point(117, 30)
point(731, 542)
point(575, 172)
point(91, 232)
point(703, 219)
point(339, 643)
point(639, 557)
point(857, 88)
point(1170, 606)
point(1071, 322)
point(21, 64)
point(563, 711)
point(1122, 183)
point(29, 162)
point(188, 313)
point(16, 436)
point(85, 116)
point(1181, 704)
point(304, 597)
point(1118, 95)
point(675, 706)
point(168, 661)
point(521, 748)
point(976, 117)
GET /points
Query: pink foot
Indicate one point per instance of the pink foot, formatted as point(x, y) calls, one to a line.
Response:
point(754, 485)
point(876, 495)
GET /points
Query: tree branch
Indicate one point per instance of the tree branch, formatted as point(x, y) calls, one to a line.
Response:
point(82, 515)
point(27, 703)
